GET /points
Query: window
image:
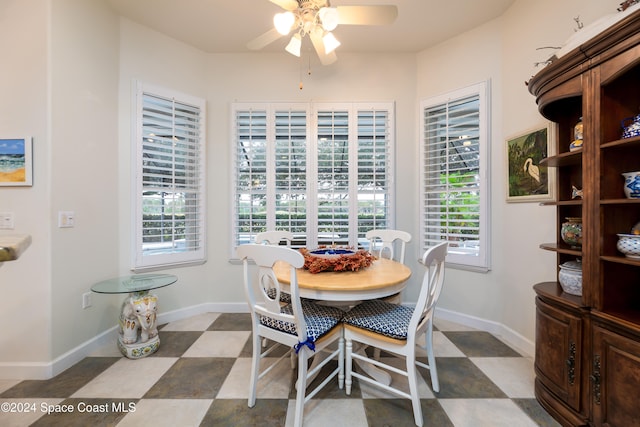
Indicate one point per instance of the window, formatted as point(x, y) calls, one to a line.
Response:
point(454, 186)
point(169, 213)
point(321, 171)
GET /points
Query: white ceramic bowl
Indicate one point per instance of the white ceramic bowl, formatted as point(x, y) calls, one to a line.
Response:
point(629, 245)
point(570, 277)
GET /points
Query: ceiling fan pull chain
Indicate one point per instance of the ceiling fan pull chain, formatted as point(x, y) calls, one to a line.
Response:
point(301, 85)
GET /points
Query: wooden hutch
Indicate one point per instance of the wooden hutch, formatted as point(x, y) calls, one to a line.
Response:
point(587, 359)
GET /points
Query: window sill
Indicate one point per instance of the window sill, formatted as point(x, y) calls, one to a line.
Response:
point(167, 266)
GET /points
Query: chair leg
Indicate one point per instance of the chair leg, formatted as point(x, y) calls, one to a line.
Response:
point(412, 372)
point(255, 370)
point(302, 386)
point(341, 362)
point(433, 370)
point(349, 361)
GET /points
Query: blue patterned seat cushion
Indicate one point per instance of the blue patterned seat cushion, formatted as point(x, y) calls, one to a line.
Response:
point(320, 319)
point(379, 316)
point(284, 297)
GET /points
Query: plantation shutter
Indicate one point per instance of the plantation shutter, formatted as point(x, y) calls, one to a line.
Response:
point(251, 174)
point(290, 186)
point(332, 178)
point(321, 171)
point(375, 171)
point(171, 183)
point(453, 179)
point(271, 172)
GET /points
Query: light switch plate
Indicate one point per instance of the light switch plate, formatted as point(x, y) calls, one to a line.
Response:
point(66, 219)
point(6, 220)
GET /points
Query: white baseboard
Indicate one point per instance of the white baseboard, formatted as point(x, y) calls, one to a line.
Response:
point(42, 371)
point(209, 307)
point(525, 346)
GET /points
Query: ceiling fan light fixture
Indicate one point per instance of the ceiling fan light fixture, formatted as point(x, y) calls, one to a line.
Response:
point(330, 42)
point(329, 18)
point(294, 45)
point(284, 22)
point(317, 19)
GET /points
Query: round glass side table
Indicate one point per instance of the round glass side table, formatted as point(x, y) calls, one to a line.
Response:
point(138, 334)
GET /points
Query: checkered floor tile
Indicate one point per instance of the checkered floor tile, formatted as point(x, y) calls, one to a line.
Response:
point(200, 377)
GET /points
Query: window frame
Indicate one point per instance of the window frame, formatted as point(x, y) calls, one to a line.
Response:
point(482, 261)
point(194, 185)
point(312, 110)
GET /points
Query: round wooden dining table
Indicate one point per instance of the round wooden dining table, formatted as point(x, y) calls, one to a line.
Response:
point(347, 288)
point(383, 278)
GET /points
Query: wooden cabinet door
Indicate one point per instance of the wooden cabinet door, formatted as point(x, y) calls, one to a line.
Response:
point(615, 379)
point(558, 351)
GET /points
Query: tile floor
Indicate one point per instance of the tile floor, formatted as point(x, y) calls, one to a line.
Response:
point(200, 377)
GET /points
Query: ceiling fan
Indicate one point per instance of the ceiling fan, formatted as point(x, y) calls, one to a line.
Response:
point(316, 18)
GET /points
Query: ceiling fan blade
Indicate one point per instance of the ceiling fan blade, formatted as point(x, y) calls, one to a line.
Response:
point(264, 39)
point(325, 58)
point(367, 15)
point(286, 4)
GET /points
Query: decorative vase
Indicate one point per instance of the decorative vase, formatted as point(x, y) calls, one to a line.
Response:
point(630, 127)
point(632, 184)
point(570, 277)
point(571, 232)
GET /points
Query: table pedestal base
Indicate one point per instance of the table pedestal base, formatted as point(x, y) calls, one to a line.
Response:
point(138, 350)
point(138, 330)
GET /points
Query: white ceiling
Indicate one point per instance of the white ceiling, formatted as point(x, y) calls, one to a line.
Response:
point(225, 26)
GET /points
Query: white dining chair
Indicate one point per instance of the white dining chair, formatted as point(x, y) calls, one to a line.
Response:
point(382, 243)
point(307, 328)
point(274, 237)
point(395, 329)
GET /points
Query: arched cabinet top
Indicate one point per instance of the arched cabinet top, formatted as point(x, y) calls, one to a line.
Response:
point(614, 50)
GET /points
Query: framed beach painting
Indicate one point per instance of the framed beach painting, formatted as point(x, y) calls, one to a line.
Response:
point(527, 179)
point(15, 162)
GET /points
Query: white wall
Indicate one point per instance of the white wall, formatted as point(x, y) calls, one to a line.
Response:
point(150, 57)
point(84, 158)
point(73, 63)
point(505, 51)
point(25, 284)
point(465, 60)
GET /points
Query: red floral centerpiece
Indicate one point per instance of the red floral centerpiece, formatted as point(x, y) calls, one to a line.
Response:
point(336, 259)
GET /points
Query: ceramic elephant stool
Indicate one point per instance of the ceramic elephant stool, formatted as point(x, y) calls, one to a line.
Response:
point(138, 314)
